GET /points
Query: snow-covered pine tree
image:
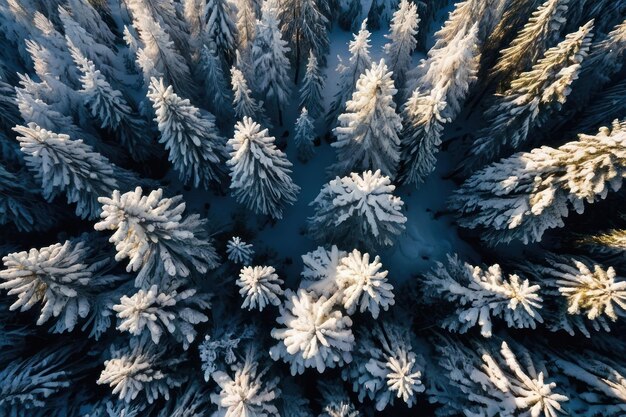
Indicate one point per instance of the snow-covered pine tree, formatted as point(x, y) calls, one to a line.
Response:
point(167, 14)
point(585, 295)
point(21, 202)
point(305, 27)
point(494, 377)
point(300, 345)
point(402, 36)
point(239, 251)
point(482, 295)
point(193, 14)
point(244, 104)
point(110, 108)
point(613, 240)
point(319, 275)
point(485, 13)
point(158, 57)
point(260, 287)
point(367, 135)
point(156, 312)
point(349, 74)
point(161, 243)
point(221, 28)
point(246, 24)
point(445, 79)
point(271, 66)
point(532, 97)
point(216, 86)
point(305, 135)
point(141, 367)
point(69, 280)
point(385, 366)
point(66, 166)
point(90, 19)
point(358, 210)
point(520, 197)
point(541, 32)
point(312, 88)
point(259, 171)
point(195, 146)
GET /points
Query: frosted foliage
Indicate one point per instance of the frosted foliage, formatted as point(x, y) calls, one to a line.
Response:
point(87, 16)
point(613, 240)
point(522, 196)
point(482, 295)
point(53, 276)
point(350, 72)
point(312, 88)
point(239, 251)
point(216, 84)
point(220, 26)
point(385, 366)
point(248, 393)
point(305, 135)
point(155, 312)
point(243, 102)
point(260, 286)
point(363, 284)
point(305, 25)
point(533, 96)
point(63, 165)
point(604, 384)
point(153, 234)
point(358, 209)
point(28, 384)
point(140, 368)
point(271, 66)
point(193, 141)
point(540, 32)
point(260, 172)
point(402, 36)
point(320, 270)
point(336, 402)
point(501, 382)
point(367, 135)
point(316, 334)
point(222, 345)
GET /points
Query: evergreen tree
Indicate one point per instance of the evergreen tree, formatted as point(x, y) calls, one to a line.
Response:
point(244, 104)
point(194, 145)
point(367, 135)
point(67, 166)
point(305, 27)
point(305, 135)
point(609, 105)
point(260, 287)
point(358, 210)
point(259, 171)
point(522, 196)
point(165, 13)
point(216, 86)
point(271, 65)
point(89, 19)
point(221, 28)
point(247, 15)
point(532, 97)
point(540, 32)
point(312, 88)
point(485, 13)
point(349, 74)
point(110, 108)
point(160, 243)
point(402, 36)
point(239, 251)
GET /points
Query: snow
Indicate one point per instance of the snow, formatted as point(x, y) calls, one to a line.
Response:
point(429, 236)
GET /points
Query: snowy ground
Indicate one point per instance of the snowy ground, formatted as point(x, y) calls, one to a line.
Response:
point(428, 237)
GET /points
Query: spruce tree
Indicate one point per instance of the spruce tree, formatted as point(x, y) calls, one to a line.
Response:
point(221, 28)
point(312, 88)
point(402, 36)
point(367, 135)
point(244, 104)
point(216, 85)
point(259, 171)
point(195, 146)
point(305, 135)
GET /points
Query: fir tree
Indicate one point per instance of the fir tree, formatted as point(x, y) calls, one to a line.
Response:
point(221, 28)
point(312, 88)
point(259, 171)
point(522, 196)
point(260, 287)
point(216, 85)
point(532, 97)
point(239, 251)
point(305, 27)
point(305, 135)
point(402, 36)
point(89, 19)
point(349, 74)
point(359, 209)
point(247, 11)
point(367, 135)
point(194, 145)
point(244, 103)
point(67, 166)
point(271, 66)
point(160, 243)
